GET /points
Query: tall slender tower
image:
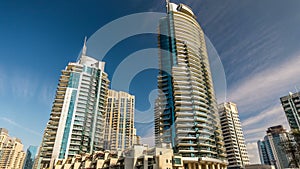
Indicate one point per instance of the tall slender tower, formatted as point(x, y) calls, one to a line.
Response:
point(119, 130)
point(77, 119)
point(186, 110)
point(237, 154)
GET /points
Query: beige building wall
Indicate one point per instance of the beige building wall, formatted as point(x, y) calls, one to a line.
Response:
point(12, 155)
point(120, 133)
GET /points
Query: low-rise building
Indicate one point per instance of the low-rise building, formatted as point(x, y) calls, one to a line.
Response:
point(138, 156)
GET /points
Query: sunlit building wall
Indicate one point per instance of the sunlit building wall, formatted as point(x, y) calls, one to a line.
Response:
point(77, 119)
point(186, 112)
point(11, 151)
point(119, 131)
point(234, 140)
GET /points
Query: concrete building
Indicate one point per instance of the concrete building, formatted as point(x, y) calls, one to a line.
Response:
point(186, 112)
point(30, 157)
point(237, 154)
point(270, 150)
point(291, 107)
point(138, 156)
point(77, 119)
point(120, 133)
point(11, 151)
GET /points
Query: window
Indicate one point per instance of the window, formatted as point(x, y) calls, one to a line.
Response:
point(177, 161)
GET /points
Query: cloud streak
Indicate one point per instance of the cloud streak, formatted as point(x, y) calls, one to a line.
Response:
point(267, 85)
point(10, 121)
point(258, 98)
point(269, 113)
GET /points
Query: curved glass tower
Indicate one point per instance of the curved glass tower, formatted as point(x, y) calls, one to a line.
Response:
point(186, 110)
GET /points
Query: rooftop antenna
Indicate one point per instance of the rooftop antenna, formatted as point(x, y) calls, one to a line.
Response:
point(83, 52)
point(168, 5)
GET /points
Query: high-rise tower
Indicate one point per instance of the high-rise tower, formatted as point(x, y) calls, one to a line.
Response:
point(77, 119)
point(236, 151)
point(186, 111)
point(270, 149)
point(291, 106)
point(119, 130)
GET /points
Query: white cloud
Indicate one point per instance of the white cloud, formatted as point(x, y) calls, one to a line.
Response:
point(259, 94)
point(256, 126)
point(270, 84)
point(253, 153)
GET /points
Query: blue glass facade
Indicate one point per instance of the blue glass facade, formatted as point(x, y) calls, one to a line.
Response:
point(270, 150)
point(30, 157)
point(73, 83)
point(168, 59)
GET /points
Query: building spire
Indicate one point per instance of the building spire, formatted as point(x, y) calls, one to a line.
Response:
point(83, 52)
point(168, 5)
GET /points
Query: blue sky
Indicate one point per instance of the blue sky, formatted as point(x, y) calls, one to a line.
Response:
point(258, 43)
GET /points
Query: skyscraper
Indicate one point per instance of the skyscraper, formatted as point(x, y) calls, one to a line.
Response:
point(30, 157)
point(264, 156)
point(77, 119)
point(186, 110)
point(270, 150)
point(291, 106)
point(119, 130)
point(11, 151)
point(237, 154)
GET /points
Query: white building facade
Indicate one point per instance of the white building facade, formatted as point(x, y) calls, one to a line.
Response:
point(77, 119)
point(236, 150)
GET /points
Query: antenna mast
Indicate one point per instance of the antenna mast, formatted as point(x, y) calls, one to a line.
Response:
point(168, 5)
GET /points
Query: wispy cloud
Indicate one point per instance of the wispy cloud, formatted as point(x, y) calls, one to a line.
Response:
point(258, 118)
point(47, 93)
point(10, 121)
point(256, 126)
point(24, 85)
point(258, 99)
point(268, 85)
